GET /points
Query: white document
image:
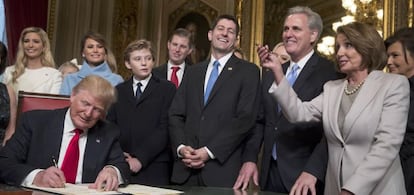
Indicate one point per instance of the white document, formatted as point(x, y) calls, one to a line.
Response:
point(82, 189)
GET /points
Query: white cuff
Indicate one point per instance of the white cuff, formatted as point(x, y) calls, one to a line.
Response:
point(30, 177)
point(118, 173)
point(210, 154)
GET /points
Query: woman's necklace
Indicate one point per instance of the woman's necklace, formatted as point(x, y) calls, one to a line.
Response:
point(355, 89)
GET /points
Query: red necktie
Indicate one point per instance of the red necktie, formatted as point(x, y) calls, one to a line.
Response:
point(70, 162)
point(174, 78)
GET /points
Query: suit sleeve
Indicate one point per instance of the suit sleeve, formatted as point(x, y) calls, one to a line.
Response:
point(116, 158)
point(13, 169)
point(177, 116)
point(318, 161)
point(159, 139)
point(254, 139)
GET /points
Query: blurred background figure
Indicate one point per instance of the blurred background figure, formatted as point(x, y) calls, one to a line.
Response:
point(179, 47)
point(238, 52)
point(34, 70)
point(198, 54)
point(7, 102)
point(281, 53)
point(68, 68)
point(400, 50)
point(98, 60)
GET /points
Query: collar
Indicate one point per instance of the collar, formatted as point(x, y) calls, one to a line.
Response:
point(223, 60)
point(68, 124)
point(143, 82)
point(302, 62)
point(169, 65)
point(102, 69)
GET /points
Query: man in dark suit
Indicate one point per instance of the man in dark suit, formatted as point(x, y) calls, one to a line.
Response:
point(289, 148)
point(209, 122)
point(43, 142)
point(143, 120)
point(179, 47)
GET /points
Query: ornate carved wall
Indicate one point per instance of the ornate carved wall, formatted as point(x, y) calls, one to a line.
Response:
point(122, 21)
point(124, 25)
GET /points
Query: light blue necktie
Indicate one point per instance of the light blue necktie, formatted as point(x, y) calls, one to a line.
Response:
point(291, 77)
point(293, 74)
point(211, 80)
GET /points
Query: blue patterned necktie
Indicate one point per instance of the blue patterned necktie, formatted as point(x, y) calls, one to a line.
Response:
point(211, 80)
point(293, 74)
point(138, 92)
point(291, 77)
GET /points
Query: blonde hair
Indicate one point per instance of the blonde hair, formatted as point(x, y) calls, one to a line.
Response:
point(68, 64)
point(21, 59)
point(99, 87)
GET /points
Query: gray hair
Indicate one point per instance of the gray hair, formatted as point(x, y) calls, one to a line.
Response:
point(314, 19)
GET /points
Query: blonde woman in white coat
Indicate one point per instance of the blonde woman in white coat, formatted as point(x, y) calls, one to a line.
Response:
point(364, 116)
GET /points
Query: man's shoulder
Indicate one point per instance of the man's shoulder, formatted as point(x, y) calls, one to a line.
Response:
point(43, 116)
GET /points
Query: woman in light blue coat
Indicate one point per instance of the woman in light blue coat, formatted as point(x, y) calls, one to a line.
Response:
point(96, 56)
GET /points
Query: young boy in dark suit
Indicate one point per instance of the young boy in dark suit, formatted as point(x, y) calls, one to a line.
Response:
point(141, 113)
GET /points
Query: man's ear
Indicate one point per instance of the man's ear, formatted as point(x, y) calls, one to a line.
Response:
point(314, 36)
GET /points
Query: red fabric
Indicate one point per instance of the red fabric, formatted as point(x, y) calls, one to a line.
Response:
point(70, 163)
point(174, 78)
point(19, 15)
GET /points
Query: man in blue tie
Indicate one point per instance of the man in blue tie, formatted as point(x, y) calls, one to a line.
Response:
point(213, 112)
point(289, 148)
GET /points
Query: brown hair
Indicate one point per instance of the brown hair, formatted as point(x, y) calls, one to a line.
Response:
point(138, 45)
point(182, 32)
point(367, 42)
point(406, 37)
point(227, 17)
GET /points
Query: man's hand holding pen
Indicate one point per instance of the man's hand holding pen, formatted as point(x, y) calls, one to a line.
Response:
point(51, 177)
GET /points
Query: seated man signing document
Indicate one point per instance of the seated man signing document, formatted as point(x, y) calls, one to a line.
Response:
point(69, 145)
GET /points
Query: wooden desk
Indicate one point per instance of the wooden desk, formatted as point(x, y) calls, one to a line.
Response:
point(11, 190)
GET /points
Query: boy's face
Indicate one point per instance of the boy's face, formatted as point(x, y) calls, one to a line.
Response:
point(141, 63)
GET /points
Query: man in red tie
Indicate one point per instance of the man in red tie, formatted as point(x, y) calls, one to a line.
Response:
point(69, 145)
point(179, 47)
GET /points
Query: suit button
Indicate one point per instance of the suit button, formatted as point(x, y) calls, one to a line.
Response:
point(275, 128)
point(202, 118)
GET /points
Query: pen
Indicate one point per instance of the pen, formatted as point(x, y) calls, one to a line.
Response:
point(54, 162)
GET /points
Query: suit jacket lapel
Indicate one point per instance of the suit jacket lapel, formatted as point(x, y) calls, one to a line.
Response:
point(225, 74)
point(92, 149)
point(201, 74)
point(56, 131)
point(306, 72)
point(126, 88)
point(334, 103)
point(366, 94)
point(152, 84)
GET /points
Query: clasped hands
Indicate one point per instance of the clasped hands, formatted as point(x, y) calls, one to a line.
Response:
point(53, 177)
point(194, 158)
